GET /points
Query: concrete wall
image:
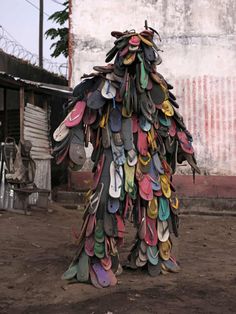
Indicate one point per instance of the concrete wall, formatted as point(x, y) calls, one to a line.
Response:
point(199, 59)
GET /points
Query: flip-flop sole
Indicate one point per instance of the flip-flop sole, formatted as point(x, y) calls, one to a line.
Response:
point(70, 272)
point(116, 178)
point(89, 245)
point(83, 268)
point(113, 205)
point(163, 230)
point(61, 132)
point(115, 119)
point(154, 270)
point(90, 225)
point(152, 254)
point(151, 232)
point(164, 209)
point(106, 262)
point(76, 115)
point(112, 277)
point(102, 276)
point(77, 154)
point(94, 279)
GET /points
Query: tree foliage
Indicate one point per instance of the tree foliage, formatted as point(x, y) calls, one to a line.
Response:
point(60, 34)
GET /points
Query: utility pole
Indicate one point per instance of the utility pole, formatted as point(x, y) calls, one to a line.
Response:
point(41, 33)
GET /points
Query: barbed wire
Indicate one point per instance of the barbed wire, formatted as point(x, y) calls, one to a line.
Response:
point(11, 46)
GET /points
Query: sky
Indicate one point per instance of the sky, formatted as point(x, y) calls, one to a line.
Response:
point(21, 20)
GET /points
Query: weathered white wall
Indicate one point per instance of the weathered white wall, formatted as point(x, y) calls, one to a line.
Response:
point(199, 58)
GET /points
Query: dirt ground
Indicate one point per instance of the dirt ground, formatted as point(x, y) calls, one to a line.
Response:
point(35, 250)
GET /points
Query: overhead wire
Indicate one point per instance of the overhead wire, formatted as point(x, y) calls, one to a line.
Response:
point(35, 6)
point(61, 3)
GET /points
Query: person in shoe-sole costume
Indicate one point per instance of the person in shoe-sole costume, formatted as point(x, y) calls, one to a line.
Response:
point(128, 113)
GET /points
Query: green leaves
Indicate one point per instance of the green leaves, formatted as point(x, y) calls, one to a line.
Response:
point(52, 32)
point(60, 34)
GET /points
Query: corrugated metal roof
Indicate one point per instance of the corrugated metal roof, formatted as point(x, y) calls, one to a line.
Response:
point(60, 89)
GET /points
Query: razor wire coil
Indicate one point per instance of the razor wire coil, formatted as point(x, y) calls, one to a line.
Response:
point(11, 46)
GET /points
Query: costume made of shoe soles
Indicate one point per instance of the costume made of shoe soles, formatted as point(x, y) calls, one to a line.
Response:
point(127, 112)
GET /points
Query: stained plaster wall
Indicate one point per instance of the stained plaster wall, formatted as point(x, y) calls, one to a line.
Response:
point(199, 59)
